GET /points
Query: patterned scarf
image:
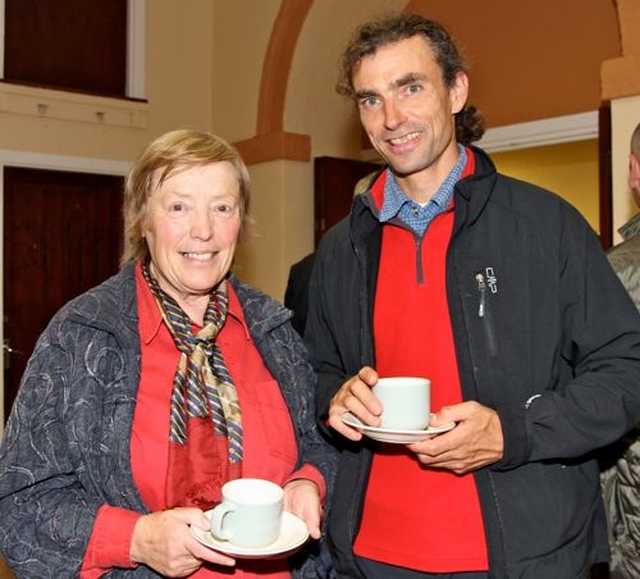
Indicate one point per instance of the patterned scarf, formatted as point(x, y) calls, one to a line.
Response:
point(204, 403)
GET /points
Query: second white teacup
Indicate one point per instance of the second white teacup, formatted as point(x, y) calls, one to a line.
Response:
point(405, 402)
point(250, 513)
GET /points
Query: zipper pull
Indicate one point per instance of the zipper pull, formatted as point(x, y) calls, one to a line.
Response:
point(482, 288)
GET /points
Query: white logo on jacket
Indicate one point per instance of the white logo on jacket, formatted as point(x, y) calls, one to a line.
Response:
point(492, 280)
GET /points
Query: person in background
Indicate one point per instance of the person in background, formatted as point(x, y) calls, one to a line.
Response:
point(296, 295)
point(625, 257)
point(621, 480)
point(147, 393)
point(500, 294)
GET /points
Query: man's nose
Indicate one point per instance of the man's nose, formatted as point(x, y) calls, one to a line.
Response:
point(393, 114)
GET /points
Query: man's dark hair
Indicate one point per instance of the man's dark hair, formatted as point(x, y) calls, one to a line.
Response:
point(371, 36)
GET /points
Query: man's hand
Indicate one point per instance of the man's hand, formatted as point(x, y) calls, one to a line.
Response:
point(476, 441)
point(355, 396)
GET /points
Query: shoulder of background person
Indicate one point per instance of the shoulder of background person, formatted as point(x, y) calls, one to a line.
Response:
point(304, 265)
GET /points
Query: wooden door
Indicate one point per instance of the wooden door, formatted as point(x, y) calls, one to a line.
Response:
point(80, 45)
point(62, 235)
point(334, 182)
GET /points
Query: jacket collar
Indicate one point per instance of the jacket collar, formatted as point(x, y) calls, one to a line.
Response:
point(261, 312)
point(475, 190)
point(631, 228)
point(472, 194)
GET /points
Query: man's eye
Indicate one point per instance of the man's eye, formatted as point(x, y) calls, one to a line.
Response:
point(414, 88)
point(368, 102)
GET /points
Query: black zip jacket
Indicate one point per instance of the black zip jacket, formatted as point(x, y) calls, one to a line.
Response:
point(544, 333)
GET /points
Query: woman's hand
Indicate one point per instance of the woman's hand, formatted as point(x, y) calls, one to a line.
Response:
point(164, 542)
point(302, 498)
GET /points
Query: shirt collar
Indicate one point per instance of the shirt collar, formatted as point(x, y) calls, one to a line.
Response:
point(631, 227)
point(150, 318)
point(395, 198)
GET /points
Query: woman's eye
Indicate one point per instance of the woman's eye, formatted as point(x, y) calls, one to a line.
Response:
point(176, 208)
point(224, 209)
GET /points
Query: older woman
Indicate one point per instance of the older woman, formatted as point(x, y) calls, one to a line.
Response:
point(147, 393)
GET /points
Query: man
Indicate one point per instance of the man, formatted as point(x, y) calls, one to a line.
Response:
point(625, 257)
point(296, 295)
point(621, 480)
point(499, 293)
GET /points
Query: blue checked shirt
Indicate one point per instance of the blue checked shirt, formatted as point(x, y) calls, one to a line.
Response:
point(397, 204)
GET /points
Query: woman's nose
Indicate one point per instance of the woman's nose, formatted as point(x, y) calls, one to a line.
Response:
point(202, 225)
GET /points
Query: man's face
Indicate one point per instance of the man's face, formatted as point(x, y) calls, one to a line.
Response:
point(407, 111)
point(634, 177)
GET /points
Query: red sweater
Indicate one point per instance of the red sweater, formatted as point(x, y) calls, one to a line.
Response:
point(416, 517)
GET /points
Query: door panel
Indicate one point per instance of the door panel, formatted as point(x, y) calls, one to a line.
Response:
point(62, 235)
point(334, 181)
point(75, 44)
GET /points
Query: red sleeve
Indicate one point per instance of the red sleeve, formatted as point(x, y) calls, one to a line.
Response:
point(110, 542)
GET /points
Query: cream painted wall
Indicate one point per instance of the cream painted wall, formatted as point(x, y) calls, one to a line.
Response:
point(283, 209)
point(625, 115)
point(241, 32)
point(568, 169)
point(282, 191)
point(282, 205)
point(313, 106)
point(180, 83)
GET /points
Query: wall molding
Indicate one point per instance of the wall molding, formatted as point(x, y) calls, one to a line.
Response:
point(564, 129)
point(32, 160)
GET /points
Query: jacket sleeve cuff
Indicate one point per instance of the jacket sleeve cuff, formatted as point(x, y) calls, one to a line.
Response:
point(110, 542)
point(516, 436)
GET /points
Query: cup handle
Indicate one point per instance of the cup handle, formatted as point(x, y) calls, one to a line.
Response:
point(217, 521)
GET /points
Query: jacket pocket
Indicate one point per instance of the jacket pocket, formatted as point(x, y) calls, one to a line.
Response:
point(484, 313)
point(271, 449)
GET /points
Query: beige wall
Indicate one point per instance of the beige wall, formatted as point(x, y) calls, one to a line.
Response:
point(568, 169)
point(241, 31)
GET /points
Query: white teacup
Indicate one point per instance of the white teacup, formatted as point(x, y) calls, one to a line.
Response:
point(250, 513)
point(405, 402)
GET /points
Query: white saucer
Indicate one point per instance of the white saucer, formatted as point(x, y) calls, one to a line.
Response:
point(395, 436)
point(293, 533)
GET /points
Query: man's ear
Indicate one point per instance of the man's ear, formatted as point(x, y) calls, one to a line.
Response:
point(458, 92)
point(634, 172)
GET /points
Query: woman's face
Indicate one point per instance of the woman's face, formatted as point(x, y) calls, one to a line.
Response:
point(191, 228)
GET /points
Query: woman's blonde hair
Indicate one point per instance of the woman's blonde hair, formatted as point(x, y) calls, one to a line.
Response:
point(171, 152)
